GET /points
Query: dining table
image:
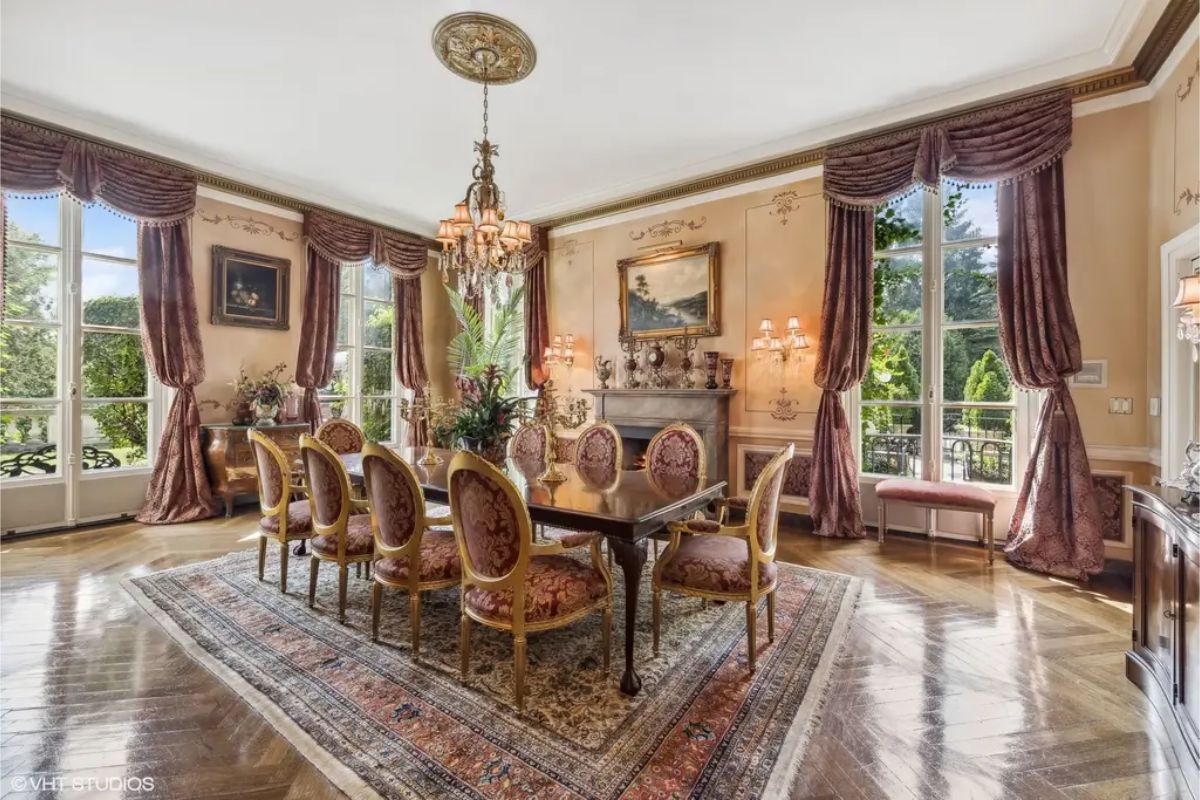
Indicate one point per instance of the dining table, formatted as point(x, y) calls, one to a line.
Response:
point(626, 506)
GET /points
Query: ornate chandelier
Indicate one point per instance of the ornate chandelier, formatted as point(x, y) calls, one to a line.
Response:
point(480, 244)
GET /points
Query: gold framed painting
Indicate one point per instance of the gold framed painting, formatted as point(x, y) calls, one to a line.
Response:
point(249, 289)
point(671, 292)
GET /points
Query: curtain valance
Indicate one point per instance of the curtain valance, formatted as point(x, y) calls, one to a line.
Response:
point(999, 144)
point(346, 241)
point(41, 161)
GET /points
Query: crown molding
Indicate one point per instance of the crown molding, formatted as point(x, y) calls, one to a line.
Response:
point(208, 178)
point(1190, 36)
point(222, 196)
point(1176, 20)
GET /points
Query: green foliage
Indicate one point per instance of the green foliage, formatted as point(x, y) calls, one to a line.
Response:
point(114, 366)
point(478, 346)
point(484, 414)
point(988, 383)
point(28, 355)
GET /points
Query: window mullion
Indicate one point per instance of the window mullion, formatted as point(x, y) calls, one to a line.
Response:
point(931, 365)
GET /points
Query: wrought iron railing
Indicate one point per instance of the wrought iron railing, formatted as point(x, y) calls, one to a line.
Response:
point(43, 460)
point(969, 456)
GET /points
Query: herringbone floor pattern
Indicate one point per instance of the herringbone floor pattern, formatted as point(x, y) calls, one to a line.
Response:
point(959, 682)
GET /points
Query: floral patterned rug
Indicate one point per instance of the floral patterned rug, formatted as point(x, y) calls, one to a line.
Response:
point(379, 723)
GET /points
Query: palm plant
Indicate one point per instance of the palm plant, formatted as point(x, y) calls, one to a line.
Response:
point(479, 345)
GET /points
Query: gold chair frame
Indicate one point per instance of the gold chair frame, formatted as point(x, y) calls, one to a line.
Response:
point(546, 438)
point(336, 528)
point(608, 426)
point(703, 471)
point(514, 581)
point(409, 552)
point(758, 557)
point(329, 423)
point(278, 510)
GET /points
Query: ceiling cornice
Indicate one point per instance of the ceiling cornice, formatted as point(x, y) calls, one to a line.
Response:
point(1167, 32)
point(218, 181)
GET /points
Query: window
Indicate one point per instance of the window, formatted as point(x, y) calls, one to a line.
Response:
point(363, 388)
point(937, 401)
point(55, 339)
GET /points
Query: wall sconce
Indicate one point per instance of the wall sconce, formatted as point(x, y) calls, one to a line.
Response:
point(1188, 303)
point(562, 351)
point(778, 349)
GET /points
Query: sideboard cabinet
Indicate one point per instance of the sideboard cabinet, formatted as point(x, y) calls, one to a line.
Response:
point(1164, 660)
point(230, 459)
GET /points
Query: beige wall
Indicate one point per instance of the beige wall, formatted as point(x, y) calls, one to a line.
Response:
point(1174, 168)
point(227, 348)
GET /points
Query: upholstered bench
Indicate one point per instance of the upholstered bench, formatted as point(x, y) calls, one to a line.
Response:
point(934, 494)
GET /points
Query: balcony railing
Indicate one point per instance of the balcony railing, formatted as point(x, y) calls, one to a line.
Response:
point(970, 455)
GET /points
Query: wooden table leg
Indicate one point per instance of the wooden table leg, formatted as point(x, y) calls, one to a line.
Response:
point(632, 557)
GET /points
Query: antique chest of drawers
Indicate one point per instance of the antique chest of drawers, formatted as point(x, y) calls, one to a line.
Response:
point(230, 460)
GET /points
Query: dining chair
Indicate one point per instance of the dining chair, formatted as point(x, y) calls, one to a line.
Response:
point(342, 436)
point(529, 442)
point(409, 553)
point(341, 526)
point(735, 563)
point(598, 446)
point(283, 520)
point(510, 583)
point(674, 453)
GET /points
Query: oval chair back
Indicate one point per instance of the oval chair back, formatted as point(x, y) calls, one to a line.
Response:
point(598, 447)
point(677, 450)
point(529, 442)
point(763, 511)
point(492, 526)
point(397, 504)
point(342, 436)
point(274, 478)
point(328, 490)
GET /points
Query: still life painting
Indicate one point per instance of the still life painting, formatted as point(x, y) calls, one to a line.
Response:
point(671, 292)
point(249, 289)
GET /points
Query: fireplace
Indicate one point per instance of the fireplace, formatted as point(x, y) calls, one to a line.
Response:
point(638, 414)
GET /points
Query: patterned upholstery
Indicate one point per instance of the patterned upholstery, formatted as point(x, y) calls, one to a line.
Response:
point(439, 560)
point(675, 451)
point(702, 526)
point(958, 495)
point(270, 478)
point(597, 447)
point(715, 564)
point(299, 519)
point(555, 586)
point(768, 513)
point(341, 436)
point(529, 442)
point(488, 523)
point(391, 498)
point(325, 485)
point(359, 540)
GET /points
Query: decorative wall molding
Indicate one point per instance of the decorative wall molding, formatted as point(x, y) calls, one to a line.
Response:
point(750, 461)
point(668, 227)
point(1116, 512)
point(783, 408)
point(1170, 28)
point(802, 438)
point(1118, 452)
point(785, 204)
point(250, 225)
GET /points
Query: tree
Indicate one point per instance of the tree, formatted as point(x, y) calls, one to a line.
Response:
point(988, 383)
point(114, 365)
point(28, 355)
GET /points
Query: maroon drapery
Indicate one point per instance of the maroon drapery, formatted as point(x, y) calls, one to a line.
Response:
point(161, 198)
point(842, 351)
point(331, 241)
point(1020, 146)
point(1056, 523)
point(537, 312)
point(410, 347)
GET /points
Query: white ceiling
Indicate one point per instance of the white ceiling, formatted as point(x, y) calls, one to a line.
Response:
point(345, 103)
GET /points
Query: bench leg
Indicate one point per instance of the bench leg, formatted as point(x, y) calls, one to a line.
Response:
point(882, 521)
point(929, 523)
point(990, 527)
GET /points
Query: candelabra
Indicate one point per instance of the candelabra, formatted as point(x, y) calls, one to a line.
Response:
point(631, 347)
point(552, 414)
point(686, 345)
point(420, 411)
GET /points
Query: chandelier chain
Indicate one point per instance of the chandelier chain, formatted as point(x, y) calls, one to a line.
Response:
point(485, 104)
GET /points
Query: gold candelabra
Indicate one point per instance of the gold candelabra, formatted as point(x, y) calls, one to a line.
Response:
point(553, 413)
point(419, 411)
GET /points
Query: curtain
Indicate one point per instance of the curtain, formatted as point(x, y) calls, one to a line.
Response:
point(333, 240)
point(1019, 146)
point(410, 347)
point(1056, 524)
point(537, 313)
point(843, 349)
point(161, 199)
point(179, 490)
point(318, 333)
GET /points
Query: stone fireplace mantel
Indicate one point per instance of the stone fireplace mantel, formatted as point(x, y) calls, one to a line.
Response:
point(638, 414)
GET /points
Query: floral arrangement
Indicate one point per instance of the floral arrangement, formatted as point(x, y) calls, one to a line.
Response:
point(265, 393)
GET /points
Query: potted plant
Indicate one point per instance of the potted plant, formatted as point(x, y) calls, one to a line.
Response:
point(265, 394)
point(484, 418)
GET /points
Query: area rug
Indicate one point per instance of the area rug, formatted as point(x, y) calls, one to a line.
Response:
point(379, 723)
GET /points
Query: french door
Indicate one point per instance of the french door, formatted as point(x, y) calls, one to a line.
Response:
point(79, 410)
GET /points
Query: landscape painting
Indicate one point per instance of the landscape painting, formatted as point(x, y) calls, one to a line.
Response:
point(671, 293)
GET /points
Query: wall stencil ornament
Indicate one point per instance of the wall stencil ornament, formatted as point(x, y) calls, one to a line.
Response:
point(250, 225)
point(1186, 114)
point(784, 408)
point(666, 228)
point(785, 204)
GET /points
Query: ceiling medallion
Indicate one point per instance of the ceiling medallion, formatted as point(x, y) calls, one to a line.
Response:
point(480, 244)
point(459, 39)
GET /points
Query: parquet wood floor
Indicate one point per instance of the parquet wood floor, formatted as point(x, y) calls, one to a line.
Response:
point(960, 682)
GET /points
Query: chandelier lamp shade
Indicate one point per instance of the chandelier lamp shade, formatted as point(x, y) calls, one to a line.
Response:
point(768, 346)
point(481, 246)
point(1187, 300)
